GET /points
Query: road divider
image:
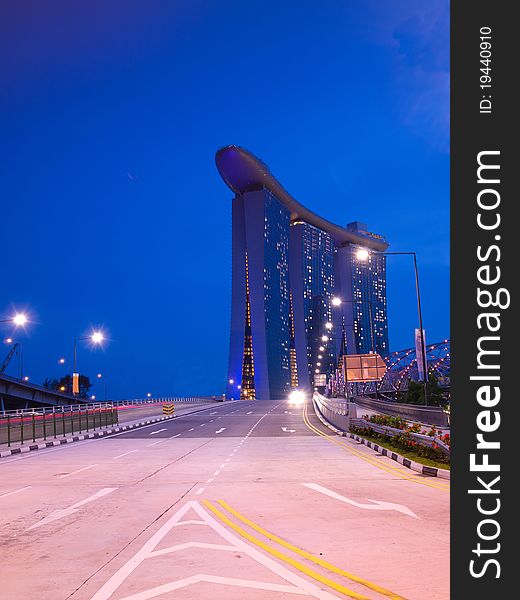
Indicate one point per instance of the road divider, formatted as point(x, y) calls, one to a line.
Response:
point(308, 555)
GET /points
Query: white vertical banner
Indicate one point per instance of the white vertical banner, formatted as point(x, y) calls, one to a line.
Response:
point(419, 345)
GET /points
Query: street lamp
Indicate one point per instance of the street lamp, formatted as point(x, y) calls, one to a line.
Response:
point(338, 302)
point(100, 376)
point(96, 338)
point(19, 320)
point(362, 255)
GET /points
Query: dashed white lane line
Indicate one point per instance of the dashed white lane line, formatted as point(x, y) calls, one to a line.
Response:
point(78, 471)
point(153, 443)
point(216, 473)
point(174, 436)
point(124, 454)
point(199, 491)
point(191, 429)
point(15, 491)
point(210, 480)
point(222, 465)
point(158, 431)
point(249, 413)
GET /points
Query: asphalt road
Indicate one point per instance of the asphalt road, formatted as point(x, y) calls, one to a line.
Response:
point(251, 500)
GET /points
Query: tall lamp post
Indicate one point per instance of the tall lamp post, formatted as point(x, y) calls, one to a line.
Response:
point(18, 320)
point(100, 376)
point(96, 338)
point(363, 255)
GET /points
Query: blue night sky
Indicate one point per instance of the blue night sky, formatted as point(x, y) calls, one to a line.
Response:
point(113, 213)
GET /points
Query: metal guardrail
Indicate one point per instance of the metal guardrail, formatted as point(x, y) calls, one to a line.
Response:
point(337, 411)
point(108, 403)
point(424, 440)
point(54, 423)
point(430, 415)
point(28, 425)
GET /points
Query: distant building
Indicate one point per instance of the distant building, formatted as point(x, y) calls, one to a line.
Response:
point(289, 268)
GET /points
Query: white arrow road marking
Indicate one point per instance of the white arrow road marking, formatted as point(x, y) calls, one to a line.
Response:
point(378, 504)
point(74, 472)
point(295, 584)
point(65, 512)
point(288, 430)
point(15, 491)
point(158, 431)
point(221, 430)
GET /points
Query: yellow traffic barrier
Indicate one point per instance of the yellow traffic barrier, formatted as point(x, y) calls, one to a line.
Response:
point(168, 409)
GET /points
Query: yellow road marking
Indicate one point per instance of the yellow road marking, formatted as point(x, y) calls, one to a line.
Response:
point(307, 555)
point(371, 460)
point(287, 559)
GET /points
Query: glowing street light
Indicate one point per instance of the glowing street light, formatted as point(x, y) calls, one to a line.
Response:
point(96, 337)
point(61, 361)
point(328, 326)
point(324, 338)
point(336, 301)
point(19, 319)
point(362, 254)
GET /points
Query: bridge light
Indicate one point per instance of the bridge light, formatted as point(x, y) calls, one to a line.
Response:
point(61, 361)
point(324, 338)
point(336, 301)
point(328, 326)
point(362, 254)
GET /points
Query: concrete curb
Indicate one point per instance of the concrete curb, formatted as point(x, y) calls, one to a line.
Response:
point(406, 462)
point(78, 438)
point(89, 436)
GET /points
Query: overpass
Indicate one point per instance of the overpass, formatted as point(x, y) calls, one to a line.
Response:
point(16, 394)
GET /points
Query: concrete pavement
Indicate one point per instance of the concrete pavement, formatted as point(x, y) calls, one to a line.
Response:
point(250, 499)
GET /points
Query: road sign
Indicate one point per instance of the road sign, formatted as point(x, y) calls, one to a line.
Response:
point(363, 367)
point(320, 379)
point(168, 409)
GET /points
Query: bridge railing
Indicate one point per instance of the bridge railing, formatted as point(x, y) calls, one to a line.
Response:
point(28, 425)
point(337, 411)
point(57, 422)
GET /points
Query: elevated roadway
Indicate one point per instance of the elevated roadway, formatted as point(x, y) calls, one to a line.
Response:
point(242, 500)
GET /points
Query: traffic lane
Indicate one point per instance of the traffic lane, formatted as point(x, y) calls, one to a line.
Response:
point(229, 421)
point(47, 484)
point(264, 481)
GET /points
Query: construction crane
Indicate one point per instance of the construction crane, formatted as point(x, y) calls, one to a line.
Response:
point(10, 355)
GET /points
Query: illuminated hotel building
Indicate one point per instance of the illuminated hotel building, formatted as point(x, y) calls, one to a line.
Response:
point(288, 264)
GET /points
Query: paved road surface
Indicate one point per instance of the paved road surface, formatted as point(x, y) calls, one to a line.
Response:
point(248, 500)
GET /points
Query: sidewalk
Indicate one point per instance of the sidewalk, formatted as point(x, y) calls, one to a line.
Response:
point(41, 444)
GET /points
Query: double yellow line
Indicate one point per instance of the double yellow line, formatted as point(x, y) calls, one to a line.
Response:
point(381, 464)
point(291, 561)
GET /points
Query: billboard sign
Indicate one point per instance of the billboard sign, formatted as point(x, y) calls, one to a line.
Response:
point(363, 367)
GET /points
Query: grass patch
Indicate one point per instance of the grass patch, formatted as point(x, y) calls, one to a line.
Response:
point(406, 452)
